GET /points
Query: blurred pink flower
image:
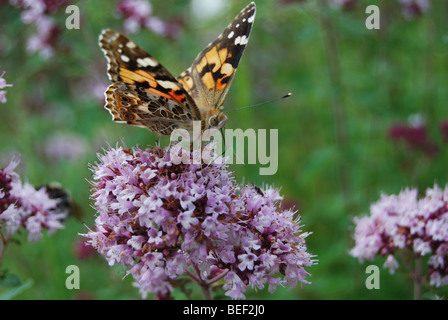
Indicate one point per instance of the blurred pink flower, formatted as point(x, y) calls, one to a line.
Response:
point(414, 135)
point(37, 12)
point(68, 146)
point(137, 14)
point(343, 4)
point(21, 205)
point(414, 8)
point(45, 39)
point(33, 9)
point(83, 295)
point(444, 130)
point(83, 250)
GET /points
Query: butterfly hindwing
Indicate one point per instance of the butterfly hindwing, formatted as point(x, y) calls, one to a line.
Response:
point(130, 104)
point(143, 92)
point(209, 77)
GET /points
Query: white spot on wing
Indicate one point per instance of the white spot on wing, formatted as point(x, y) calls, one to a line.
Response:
point(147, 62)
point(168, 84)
point(131, 45)
point(251, 18)
point(241, 40)
point(124, 58)
point(230, 35)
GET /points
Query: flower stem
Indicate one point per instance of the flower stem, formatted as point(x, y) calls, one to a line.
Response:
point(206, 291)
point(335, 77)
point(2, 250)
point(204, 284)
point(418, 279)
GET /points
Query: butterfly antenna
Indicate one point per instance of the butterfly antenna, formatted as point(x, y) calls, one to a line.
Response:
point(262, 103)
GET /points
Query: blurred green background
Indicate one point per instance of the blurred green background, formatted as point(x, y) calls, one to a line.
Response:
point(350, 86)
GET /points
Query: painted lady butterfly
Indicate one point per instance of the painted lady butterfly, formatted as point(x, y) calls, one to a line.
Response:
point(143, 93)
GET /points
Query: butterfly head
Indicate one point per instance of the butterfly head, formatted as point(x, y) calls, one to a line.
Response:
point(215, 119)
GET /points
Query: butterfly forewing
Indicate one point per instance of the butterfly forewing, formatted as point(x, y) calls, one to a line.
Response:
point(143, 92)
point(209, 77)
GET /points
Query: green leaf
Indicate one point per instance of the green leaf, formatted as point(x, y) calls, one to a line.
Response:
point(10, 281)
point(10, 294)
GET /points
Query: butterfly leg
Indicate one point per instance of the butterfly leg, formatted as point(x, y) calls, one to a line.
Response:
point(225, 148)
point(222, 154)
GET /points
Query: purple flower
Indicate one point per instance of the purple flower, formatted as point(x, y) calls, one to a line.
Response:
point(33, 9)
point(38, 13)
point(21, 205)
point(247, 261)
point(344, 4)
point(82, 250)
point(444, 130)
point(414, 8)
point(137, 14)
point(44, 40)
point(164, 220)
point(404, 222)
point(414, 135)
point(65, 146)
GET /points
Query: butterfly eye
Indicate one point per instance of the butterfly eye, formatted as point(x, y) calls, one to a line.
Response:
point(213, 121)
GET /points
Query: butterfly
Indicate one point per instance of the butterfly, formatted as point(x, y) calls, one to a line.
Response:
point(143, 93)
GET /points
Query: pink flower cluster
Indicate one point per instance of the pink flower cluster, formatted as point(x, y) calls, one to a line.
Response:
point(344, 4)
point(3, 85)
point(65, 146)
point(443, 126)
point(404, 222)
point(410, 9)
point(38, 13)
point(137, 14)
point(163, 220)
point(21, 205)
point(415, 134)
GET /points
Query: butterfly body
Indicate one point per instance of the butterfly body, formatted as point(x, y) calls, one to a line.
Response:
point(143, 93)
